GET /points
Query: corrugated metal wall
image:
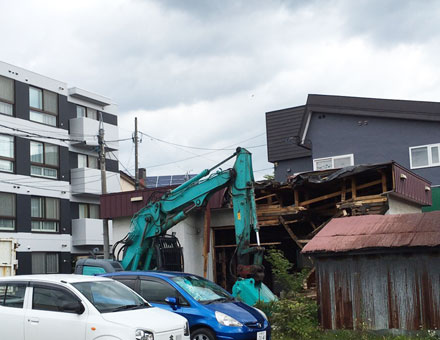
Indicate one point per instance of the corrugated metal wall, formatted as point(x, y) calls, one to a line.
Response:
point(412, 187)
point(380, 291)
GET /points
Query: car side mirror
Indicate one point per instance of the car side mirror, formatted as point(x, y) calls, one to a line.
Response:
point(172, 301)
point(73, 307)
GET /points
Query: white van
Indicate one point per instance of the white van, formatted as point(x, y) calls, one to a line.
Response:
point(77, 307)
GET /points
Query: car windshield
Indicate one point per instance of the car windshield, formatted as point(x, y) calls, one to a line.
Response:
point(202, 290)
point(110, 296)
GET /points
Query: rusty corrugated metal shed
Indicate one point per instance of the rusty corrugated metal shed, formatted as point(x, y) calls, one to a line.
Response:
point(390, 291)
point(377, 231)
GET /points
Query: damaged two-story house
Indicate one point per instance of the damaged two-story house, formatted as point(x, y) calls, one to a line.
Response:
point(337, 131)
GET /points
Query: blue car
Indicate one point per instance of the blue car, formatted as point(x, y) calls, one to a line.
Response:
point(211, 311)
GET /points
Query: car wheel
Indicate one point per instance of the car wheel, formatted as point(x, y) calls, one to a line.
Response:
point(202, 334)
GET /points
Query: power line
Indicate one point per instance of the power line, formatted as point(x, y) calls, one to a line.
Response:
point(193, 147)
point(128, 172)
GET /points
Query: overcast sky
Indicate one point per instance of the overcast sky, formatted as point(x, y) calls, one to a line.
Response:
point(203, 73)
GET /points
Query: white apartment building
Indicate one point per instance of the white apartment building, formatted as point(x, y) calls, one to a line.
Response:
point(50, 182)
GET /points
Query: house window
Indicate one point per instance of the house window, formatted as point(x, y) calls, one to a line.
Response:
point(7, 211)
point(86, 161)
point(44, 160)
point(88, 210)
point(6, 153)
point(424, 156)
point(334, 162)
point(82, 111)
point(6, 96)
point(45, 214)
point(44, 106)
point(45, 263)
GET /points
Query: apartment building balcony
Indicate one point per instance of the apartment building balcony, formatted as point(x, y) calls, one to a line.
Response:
point(89, 232)
point(85, 131)
point(87, 182)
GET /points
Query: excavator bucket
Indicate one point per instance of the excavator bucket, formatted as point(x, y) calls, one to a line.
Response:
point(250, 292)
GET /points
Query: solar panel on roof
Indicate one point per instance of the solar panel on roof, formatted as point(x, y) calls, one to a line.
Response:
point(151, 182)
point(161, 181)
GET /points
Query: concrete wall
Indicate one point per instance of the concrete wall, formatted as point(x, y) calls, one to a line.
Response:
point(375, 140)
point(399, 206)
point(190, 234)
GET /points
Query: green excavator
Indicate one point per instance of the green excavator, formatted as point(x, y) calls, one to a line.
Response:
point(148, 247)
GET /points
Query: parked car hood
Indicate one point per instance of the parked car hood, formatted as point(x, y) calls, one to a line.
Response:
point(238, 310)
point(153, 318)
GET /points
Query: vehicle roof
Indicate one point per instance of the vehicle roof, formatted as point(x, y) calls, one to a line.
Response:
point(56, 278)
point(164, 274)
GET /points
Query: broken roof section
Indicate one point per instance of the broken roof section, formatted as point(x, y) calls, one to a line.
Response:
point(395, 180)
point(370, 232)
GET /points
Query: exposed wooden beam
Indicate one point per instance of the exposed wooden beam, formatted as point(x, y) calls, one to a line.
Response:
point(353, 187)
point(338, 193)
point(252, 245)
point(206, 240)
point(384, 181)
point(264, 197)
point(290, 232)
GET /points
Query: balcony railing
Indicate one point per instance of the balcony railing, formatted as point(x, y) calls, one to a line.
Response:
point(89, 232)
point(87, 181)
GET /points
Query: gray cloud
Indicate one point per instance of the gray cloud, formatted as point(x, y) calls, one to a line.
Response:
point(392, 22)
point(203, 73)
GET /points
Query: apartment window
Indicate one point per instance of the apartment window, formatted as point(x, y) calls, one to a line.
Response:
point(6, 153)
point(45, 263)
point(44, 160)
point(45, 214)
point(6, 96)
point(86, 161)
point(7, 211)
point(334, 162)
point(82, 111)
point(88, 210)
point(424, 156)
point(44, 106)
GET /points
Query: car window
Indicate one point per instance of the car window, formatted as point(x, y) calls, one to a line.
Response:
point(12, 294)
point(154, 291)
point(130, 283)
point(201, 289)
point(52, 299)
point(110, 296)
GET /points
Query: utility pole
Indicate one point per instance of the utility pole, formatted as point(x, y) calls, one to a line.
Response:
point(103, 185)
point(136, 161)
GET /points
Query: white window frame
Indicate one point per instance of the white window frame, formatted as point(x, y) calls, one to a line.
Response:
point(430, 163)
point(332, 159)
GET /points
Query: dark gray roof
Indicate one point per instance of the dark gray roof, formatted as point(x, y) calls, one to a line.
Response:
point(282, 128)
point(389, 108)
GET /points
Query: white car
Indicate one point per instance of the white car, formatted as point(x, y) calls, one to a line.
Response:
point(77, 307)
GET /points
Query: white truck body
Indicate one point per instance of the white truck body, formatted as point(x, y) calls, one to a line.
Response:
point(8, 256)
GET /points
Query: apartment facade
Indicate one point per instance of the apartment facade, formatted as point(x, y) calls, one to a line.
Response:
point(50, 180)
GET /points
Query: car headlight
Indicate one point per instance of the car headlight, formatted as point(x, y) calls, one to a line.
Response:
point(226, 320)
point(143, 335)
point(262, 313)
point(186, 329)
